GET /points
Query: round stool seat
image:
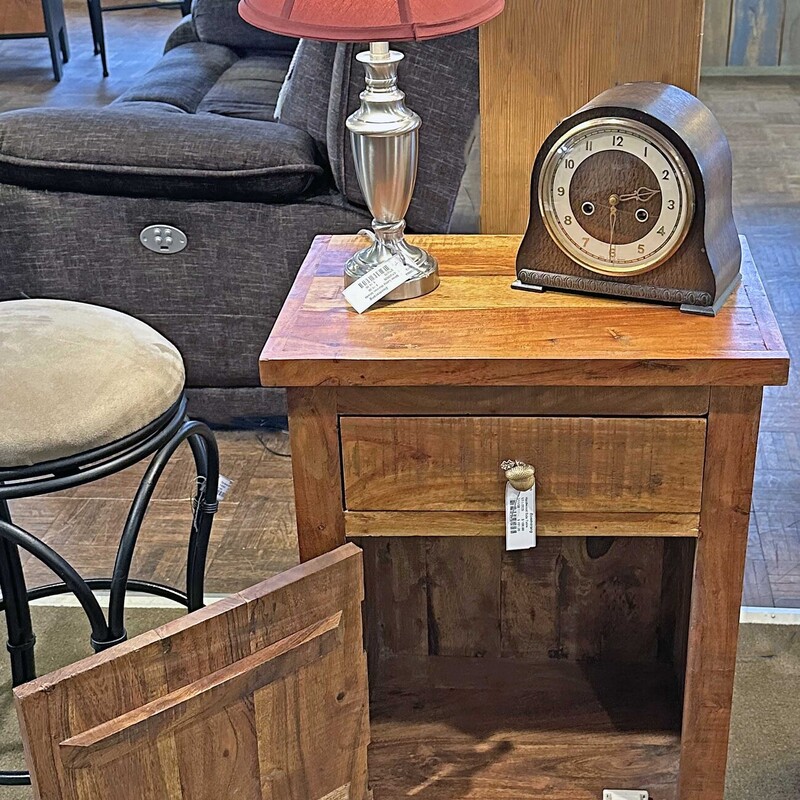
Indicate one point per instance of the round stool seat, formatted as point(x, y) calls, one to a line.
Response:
point(74, 377)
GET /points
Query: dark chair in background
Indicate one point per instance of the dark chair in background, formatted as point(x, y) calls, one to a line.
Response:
point(97, 9)
point(37, 19)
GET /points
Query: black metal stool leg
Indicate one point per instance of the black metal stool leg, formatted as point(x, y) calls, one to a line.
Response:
point(160, 440)
point(127, 545)
point(206, 458)
point(21, 639)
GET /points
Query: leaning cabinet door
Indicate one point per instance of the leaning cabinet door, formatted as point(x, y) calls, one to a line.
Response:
point(261, 695)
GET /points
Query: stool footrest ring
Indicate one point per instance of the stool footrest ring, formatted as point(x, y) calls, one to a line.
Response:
point(104, 584)
point(19, 648)
point(100, 646)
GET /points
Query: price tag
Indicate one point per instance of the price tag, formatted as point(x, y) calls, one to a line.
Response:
point(377, 283)
point(520, 518)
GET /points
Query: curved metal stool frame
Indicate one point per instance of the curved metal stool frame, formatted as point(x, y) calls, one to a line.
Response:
point(159, 439)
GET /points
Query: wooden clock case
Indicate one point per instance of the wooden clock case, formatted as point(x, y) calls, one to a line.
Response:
point(704, 270)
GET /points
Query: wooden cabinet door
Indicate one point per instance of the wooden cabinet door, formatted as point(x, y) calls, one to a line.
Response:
point(261, 695)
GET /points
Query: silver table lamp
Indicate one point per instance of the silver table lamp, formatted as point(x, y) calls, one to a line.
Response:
point(384, 134)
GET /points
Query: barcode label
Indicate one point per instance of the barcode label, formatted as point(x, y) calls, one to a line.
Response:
point(377, 283)
point(520, 518)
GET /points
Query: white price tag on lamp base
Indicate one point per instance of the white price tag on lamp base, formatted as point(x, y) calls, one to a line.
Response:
point(377, 283)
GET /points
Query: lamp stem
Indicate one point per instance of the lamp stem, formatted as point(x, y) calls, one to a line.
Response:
point(384, 134)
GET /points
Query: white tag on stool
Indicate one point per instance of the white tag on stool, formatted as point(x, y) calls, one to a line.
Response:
point(520, 518)
point(223, 487)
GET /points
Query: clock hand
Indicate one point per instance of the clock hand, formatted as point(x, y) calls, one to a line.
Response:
point(642, 194)
point(612, 223)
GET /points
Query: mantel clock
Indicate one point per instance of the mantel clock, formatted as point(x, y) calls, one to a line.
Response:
point(631, 197)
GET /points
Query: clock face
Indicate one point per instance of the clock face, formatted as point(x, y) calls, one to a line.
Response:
point(616, 196)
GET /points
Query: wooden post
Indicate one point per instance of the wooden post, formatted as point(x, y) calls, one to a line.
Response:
point(543, 59)
point(733, 419)
point(314, 433)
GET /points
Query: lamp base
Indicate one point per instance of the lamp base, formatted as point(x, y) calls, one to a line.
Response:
point(378, 253)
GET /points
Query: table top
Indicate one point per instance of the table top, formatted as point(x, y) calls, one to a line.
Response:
point(474, 330)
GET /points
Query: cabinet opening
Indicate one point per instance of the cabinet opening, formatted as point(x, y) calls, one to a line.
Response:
point(551, 673)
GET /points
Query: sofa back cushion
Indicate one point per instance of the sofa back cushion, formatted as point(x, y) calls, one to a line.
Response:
point(218, 22)
point(306, 93)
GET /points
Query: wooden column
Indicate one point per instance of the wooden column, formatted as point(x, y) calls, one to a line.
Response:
point(543, 59)
point(733, 419)
point(314, 433)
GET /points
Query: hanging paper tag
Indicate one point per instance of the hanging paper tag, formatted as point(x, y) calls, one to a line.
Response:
point(377, 283)
point(520, 518)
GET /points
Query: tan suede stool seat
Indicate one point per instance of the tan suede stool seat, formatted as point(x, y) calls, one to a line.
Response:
point(74, 377)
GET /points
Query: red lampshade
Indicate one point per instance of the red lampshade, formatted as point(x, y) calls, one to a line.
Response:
point(368, 20)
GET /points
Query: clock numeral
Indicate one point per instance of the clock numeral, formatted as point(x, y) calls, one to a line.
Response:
point(570, 163)
point(612, 252)
point(661, 231)
point(665, 175)
point(645, 151)
point(640, 249)
point(560, 191)
point(617, 141)
point(589, 146)
point(585, 241)
point(671, 205)
point(568, 220)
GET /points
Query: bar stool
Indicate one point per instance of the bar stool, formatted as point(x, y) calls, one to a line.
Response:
point(84, 393)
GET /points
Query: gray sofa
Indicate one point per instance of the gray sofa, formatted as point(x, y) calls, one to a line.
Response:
point(196, 145)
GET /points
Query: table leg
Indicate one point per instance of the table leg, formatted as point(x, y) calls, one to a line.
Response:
point(314, 436)
point(717, 590)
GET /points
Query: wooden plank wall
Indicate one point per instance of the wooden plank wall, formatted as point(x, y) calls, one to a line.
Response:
point(617, 600)
point(543, 59)
point(751, 34)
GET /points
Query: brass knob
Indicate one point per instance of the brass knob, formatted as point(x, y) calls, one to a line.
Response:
point(520, 475)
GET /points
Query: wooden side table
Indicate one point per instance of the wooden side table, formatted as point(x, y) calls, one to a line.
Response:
point(604, 657)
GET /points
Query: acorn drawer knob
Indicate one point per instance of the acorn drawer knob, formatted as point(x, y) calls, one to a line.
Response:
point(520, 475)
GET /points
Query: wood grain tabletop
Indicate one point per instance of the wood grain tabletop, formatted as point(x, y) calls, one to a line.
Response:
point(475, 330)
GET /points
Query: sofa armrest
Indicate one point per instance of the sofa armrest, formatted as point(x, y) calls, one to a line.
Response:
point(184, 33)
point(150, 150)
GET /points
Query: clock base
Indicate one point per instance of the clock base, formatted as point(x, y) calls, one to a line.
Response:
point(710, 310)
point(713, 310)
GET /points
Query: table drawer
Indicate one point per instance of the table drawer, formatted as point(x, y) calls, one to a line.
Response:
point(583, 464)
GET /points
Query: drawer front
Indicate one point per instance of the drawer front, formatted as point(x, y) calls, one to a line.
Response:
point(583, 464)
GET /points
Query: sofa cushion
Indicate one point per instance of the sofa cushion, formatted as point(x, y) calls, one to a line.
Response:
point(248, 89)
point(127, 150)
point(305, 95)
point(183, 76)
point(218, 22)
point(182, 34)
